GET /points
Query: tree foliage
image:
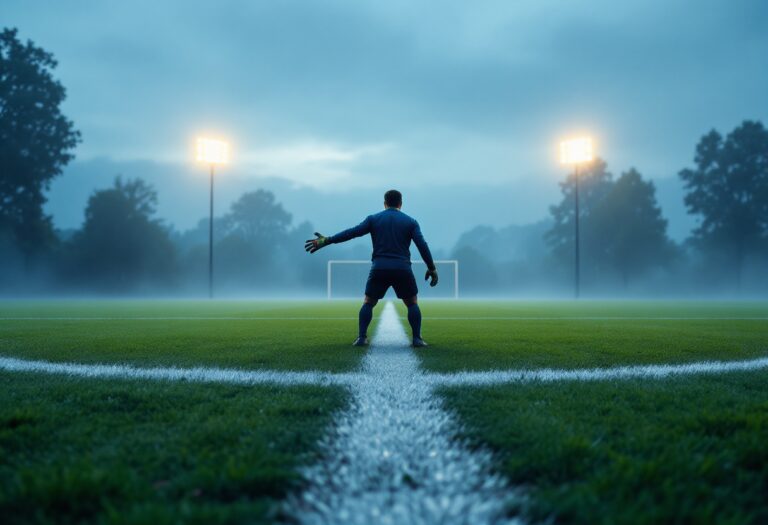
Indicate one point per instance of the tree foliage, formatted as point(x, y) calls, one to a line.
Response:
point(630, 227)
point(728, 191)
point(255, 231)
point(622, 228)
point(257, 217)
point(121, 246)
point(478, 272)
point(36, 139)
point(255, 247)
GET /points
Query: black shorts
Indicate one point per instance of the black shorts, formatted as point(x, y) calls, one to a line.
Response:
point(402, 281)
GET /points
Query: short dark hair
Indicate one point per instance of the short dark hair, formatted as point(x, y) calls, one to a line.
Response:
point(393, 199)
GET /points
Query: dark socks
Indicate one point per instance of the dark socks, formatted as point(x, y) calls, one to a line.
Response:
point(414, 318)
point(366, 314)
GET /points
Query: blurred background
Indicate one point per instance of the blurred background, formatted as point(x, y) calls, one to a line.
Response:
point(326, 105)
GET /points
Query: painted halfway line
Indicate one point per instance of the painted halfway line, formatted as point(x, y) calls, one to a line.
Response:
point(437, 318)
point(463, 378)
point(195, 318)
point(393, 457)
point(550, 375)
point(594, 318)
point(196, 374)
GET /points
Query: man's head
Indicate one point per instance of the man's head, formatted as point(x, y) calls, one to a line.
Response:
point(393, 199)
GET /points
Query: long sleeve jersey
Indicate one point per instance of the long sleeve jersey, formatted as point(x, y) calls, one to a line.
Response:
point(391, 234)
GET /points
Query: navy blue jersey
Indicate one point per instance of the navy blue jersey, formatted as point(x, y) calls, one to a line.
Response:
point(391, 234)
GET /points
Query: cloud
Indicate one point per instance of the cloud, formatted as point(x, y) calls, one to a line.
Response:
point(474, 92)
point(313, 163)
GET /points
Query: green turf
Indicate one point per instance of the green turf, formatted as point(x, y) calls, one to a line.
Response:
point(592, 308)
point(264, 334)
point(89, 451)
point(486, 335)
point(684, 450)
point(176, 308)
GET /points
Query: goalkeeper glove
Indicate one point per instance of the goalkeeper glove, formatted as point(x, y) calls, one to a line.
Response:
point(433, 275)
point(312, 245)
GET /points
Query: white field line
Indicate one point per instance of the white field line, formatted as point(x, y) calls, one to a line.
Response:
point(463, 378)
point(177, 318)
point(594, 318)
point(548, 375)
point(392, 457)
point(197, 374)
point(349, 318)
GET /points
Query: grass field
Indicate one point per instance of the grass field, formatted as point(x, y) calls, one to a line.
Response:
point(85, 450)
point(277, 335)
point(685, 450)
point(91, 451)
point(486, 335)
point(682, 450)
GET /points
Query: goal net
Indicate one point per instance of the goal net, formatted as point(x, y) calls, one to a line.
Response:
point(346, 279)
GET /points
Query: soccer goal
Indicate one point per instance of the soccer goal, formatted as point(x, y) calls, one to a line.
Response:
point(346, 279)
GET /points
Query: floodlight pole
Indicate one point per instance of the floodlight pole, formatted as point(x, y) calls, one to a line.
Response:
point(210, 244)
point(577, 268)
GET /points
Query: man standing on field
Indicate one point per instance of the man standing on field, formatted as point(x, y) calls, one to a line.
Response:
point(391, 234)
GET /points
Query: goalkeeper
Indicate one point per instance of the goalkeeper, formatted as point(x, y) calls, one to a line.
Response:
point(391, 234)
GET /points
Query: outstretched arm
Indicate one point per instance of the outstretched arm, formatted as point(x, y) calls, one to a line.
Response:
point(312, 245)
point(426, 255)
point(355, 231)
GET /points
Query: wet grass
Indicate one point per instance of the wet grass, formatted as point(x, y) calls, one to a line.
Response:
point(490, 335)
point(129, 451)
point(684, 450)
point(263, 334)
point(91, 451)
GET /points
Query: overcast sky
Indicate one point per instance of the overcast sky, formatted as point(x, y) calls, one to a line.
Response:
point(346, 97)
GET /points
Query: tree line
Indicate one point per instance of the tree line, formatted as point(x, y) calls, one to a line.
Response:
point(124, 247)
point(624, 239)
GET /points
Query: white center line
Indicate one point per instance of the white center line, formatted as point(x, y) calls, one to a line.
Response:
point(393, 456)
point(204, 374)
point(349, 318)
point(549, 375)
point(197, 374)
point(178, 318)
point(592, 318)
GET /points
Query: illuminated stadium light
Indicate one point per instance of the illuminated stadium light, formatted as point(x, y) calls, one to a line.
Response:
point(576, 151)
point(212, 151)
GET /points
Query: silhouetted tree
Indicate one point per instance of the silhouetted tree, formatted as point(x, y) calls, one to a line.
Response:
point(310, 270)
point(478, 274)
point(36, 140)
point(121, 246)
point(257, 217)
point(249, 245)
point(516, 242)
point(198, 236)
point(631, 229)
point(256, 228)
point(728, 190)
point(622, 229)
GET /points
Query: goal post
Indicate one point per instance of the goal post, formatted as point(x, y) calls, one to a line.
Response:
point(338, 262)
